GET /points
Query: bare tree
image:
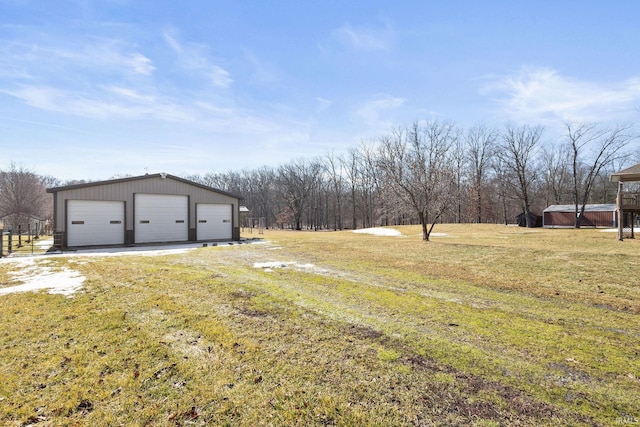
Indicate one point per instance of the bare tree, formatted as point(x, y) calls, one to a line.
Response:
point(480, 142)
point(298, 180)
point(458, 160)
point(23, 196)
point(518, 153)
point(368, 183)
point(333, 168)
point(416, 166)
point(263, 201)
point(554, 165)
point(351, 165)
point(592, 149)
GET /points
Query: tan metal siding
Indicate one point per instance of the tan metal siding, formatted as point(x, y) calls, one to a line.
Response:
point(124, 191)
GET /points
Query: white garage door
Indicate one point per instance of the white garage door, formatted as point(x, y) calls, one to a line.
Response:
point(161, 218)
point(214, 221)
point(93, 222)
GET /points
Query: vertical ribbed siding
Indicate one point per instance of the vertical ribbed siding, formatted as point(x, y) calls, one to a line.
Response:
point(125, 191)
point(590, 219)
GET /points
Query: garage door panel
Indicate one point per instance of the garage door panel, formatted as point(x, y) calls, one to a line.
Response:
point(161, 218)
point(214, 221)
point(95, 222)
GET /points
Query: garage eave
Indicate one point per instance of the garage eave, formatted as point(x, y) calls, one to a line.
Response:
point(141, 177)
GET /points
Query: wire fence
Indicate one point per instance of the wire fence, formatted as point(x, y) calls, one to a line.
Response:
point(28, 241)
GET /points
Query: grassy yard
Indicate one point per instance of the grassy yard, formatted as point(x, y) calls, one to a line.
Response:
point(484, 325)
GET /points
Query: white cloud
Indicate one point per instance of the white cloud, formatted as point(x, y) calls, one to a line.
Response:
point(45, 57)
point(101, 104)
point(262, 72)
point(140, 64)
point(44, 98)
point(130, 94)
point(366, 39)
point(543, 95)
point(194, 58)
point(323, 104)
point(373, 112)
point(172, 42)
point(219, 76)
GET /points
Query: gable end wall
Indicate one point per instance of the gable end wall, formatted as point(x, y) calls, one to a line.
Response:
point(125, 191)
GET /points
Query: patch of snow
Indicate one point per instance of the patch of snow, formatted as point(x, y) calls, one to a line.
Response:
point(35, 277)
point(272, 264)
point(379, 231)
point(609, 230)
point(46, 243)
point(306, 266)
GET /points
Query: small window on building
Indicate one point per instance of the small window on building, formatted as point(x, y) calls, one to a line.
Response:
point(144, 221)
point(179, 221)
point(202, 221)
point(115, 222)
point(226, 220)
point(77, 222)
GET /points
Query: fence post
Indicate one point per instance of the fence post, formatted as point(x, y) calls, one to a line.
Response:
point(1, 241)
point(10, 243)
point(19, 236)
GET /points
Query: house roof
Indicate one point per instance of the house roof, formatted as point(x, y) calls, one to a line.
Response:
point(628, 174)
point(4, 217)
point(141, 177)
point(604, 207)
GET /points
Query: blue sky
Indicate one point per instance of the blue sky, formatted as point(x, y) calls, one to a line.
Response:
point(95, 89)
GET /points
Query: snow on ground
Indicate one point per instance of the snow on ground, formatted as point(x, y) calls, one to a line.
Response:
point(34, 273)
point(379, 231)
point(36, 276)
point(269, 266)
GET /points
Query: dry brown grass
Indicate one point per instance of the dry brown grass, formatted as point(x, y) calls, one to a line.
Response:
point(488, 325)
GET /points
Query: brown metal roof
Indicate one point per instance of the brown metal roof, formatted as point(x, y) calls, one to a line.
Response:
point(141, 177)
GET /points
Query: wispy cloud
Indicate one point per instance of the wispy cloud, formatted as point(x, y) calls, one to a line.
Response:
point(108, 103)
point(194, 58)
point(376, 112)
point(104, 77)
point(544, 95)
point(323, 104)
point(140, 64)
point(366, 39)
point(48, 56)
point(261, 71)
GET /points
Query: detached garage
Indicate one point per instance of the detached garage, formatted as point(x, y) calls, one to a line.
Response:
point(144, 209)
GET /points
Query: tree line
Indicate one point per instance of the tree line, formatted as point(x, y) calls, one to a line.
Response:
point(424, 173)
point(436, 171)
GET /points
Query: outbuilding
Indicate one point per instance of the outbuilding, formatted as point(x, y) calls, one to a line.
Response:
point(627, 199)
point(595, 215)
point(155, 208)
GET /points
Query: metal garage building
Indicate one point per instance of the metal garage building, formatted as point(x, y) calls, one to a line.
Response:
point(597, 215)
point(143, 209)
